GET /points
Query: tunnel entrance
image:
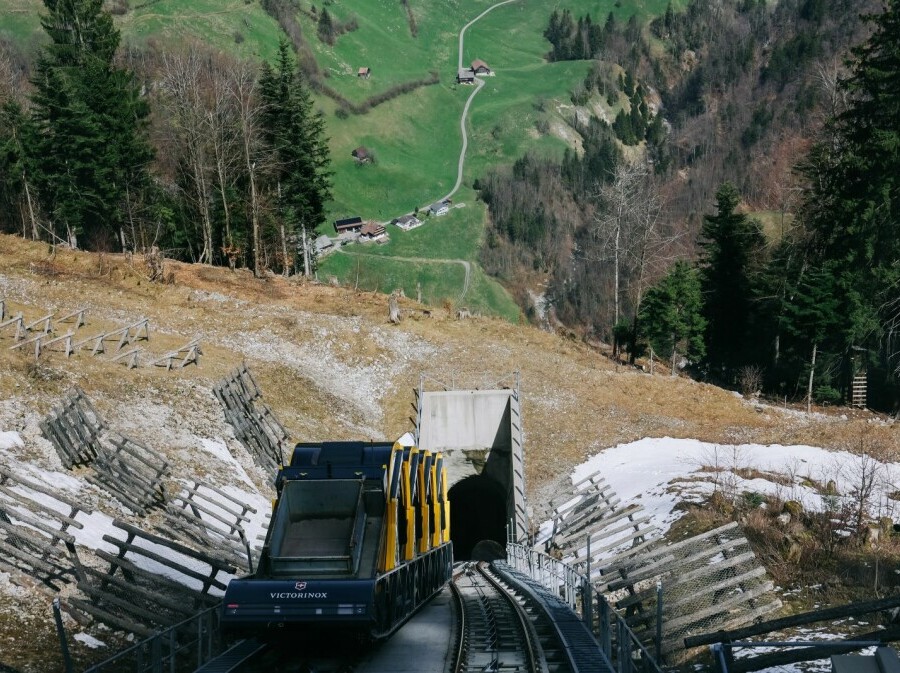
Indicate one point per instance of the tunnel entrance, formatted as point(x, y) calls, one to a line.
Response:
point(477, 512)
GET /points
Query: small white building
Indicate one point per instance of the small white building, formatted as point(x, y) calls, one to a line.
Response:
point(439, 208)
point(408, 222)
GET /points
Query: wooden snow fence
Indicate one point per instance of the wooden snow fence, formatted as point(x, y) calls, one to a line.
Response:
point(35, 537)
point(16, 324)
point(181, 357)
point(74, 428)
point(131, 472)
point(130, 597)
point(709, 581)
point(254, 424)
point(615, 532)
point(204, 515)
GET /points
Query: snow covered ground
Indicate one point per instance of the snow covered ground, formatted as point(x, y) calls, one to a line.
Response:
point(661, 472)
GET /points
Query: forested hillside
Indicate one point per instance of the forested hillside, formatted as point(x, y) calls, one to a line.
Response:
point(766, 108)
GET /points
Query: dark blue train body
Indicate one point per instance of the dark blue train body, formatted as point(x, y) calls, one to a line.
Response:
point(359, 537)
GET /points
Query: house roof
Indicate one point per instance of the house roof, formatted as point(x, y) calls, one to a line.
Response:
point(478, 63)
point(323, 242)
point(465, 73)
point(407, 218)
point(360, 152)
point(348, 223)
point(372, 229)
point(363, 71)
point(437, 206)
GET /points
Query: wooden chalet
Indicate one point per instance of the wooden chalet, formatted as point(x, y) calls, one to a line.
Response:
point(372, 231)
point(479, 67)
point(465, 76)
point(364, 72)
point(348, 224)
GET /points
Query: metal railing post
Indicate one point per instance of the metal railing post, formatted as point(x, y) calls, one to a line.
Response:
point(61, 632)
point(605, 634)
point(659, 618)
point(624, 643)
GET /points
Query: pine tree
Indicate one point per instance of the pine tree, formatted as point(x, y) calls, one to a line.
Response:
point(91, 151)
point(732, 250)
point(671, 317)
point(851, 210)
point(296, 132)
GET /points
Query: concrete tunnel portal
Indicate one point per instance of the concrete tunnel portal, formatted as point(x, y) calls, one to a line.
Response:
point(477, 513)
point(479, 434)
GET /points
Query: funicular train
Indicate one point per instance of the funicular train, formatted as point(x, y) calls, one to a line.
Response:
point(359, 539)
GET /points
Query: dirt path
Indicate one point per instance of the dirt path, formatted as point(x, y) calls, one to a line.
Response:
point(467, 281)
point(465, 113)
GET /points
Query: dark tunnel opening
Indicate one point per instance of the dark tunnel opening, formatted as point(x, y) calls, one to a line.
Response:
point(477, 512)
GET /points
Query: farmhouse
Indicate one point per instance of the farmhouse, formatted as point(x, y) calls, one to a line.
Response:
point(373, 231)
point(439, 208)
point(364, 72)
point(348, 224)
point(408, 222)
point(479, 67)
point(465, 76)
point(362, 155)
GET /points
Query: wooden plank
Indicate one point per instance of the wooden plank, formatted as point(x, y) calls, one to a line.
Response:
point(601, 530)
point(624, 559)
point(126, 566)
point(175, 604)
point(110, 619)
point(29, 559)
point(124, 498)
point(720, 607)
point(576, 527)
point(678, 563)
point(206, 580)
point(99, 597)
point(671, 606)
point(78, 314)
point(224, 494)
point(232, 526)
point(59, 516)
point(691, 541)
point(174, 546)
point(56, 495)
point(29, 520)
point(46, 320)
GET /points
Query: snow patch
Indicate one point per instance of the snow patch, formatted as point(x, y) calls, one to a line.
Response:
point(11, 440)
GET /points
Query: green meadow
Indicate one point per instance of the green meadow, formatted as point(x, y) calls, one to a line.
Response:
point(415, 137)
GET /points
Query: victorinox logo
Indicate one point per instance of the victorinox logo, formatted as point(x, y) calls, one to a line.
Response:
point(300, 586)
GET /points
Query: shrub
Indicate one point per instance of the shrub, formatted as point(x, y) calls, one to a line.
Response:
point(238, 37)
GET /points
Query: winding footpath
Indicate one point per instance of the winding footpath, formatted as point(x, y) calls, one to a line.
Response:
point(467, 282)
point(465, 113)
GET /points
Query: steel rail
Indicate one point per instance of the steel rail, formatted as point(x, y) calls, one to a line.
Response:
point(504, 616)
point(537, 663)
point(462, 645)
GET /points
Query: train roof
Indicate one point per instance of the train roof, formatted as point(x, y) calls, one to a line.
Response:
point(338, 460)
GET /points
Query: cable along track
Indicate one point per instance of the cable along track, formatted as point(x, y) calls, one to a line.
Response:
point(495, 629)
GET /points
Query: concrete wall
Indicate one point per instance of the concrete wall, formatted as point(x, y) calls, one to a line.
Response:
point(474, 431)
point(462, 419)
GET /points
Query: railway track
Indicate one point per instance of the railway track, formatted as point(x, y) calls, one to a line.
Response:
point(496, 630)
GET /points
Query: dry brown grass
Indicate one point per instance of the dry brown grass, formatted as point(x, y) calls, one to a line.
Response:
point(575, 401)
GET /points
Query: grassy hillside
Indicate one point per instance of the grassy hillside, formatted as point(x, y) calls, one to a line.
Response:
point(416, 136)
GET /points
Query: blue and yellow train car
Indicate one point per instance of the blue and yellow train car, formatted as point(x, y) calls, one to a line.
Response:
point(359, 539)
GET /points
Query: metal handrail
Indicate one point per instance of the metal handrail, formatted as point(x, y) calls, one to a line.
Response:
point(576, 590)
point(165, 651)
